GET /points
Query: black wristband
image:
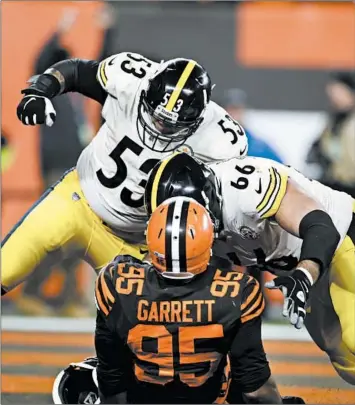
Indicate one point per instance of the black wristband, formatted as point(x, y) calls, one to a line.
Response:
point(320, 238)
point(45, 85)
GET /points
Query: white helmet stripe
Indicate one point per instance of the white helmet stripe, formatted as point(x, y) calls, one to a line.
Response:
point(175, 240)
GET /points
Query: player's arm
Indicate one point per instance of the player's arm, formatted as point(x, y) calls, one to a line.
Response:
point(70, 75)
point(272, 195)
point(249, 366)
point(88, 77)
point(113, 370)
point(268, 193)
point(303, 217)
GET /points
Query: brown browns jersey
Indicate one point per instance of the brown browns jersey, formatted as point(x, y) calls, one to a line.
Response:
point(179, 335)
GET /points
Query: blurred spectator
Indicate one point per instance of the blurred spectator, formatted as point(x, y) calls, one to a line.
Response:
point(7, 158)
point(334, 151)
point(236, 104)
point(7, 152)
point(60, 147)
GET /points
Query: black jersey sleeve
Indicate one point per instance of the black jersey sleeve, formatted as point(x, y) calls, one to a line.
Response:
point(114, 369)
point(70, 75)
point(105, 291)
point(249, 365)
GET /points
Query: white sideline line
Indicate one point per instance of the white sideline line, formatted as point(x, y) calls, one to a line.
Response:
point(87, 325)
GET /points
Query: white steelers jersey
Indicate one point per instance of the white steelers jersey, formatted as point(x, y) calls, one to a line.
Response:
point(114, 167)
point(252, 190)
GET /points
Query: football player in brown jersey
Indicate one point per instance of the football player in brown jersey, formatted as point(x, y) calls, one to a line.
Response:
point(174, 330)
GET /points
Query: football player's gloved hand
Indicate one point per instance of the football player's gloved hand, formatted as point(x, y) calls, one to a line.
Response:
point(35, 108)
point(295, 289)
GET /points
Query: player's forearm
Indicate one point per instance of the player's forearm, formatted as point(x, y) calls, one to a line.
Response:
point(320, 241)
point(302, 216)
point(266, 394)
point(312, 267)
point(71, 75)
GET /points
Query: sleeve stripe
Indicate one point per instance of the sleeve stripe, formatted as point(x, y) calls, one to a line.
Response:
point(252, 295)
point(105, 290)
point(255, 305)
point(101, 74)
point(270, 189)
point(254, 314)
point(102, 307)
point(273, 201)
point(274, 193)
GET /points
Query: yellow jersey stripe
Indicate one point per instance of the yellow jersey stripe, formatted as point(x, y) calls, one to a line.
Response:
point(154, 195)
point(276, 198)
point(102, 74)
point(180, 85)
point(269, 191)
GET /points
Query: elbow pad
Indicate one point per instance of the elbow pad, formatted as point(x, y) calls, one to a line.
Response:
point(320, 238)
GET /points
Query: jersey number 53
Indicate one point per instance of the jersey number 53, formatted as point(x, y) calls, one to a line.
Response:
point(126, 144)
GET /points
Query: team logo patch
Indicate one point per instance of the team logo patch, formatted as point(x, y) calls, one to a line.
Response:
point(185, 149)
point(248, 233)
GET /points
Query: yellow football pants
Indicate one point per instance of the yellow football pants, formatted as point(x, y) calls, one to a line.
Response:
point(60, 217)
point(331, 321)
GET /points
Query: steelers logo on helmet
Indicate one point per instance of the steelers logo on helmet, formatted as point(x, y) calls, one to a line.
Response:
point(172, 106)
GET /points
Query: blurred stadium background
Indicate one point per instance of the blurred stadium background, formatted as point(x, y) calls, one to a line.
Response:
point(271, 62)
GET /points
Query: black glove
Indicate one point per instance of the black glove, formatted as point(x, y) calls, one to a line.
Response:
point(35, 108)
point(292, 400)
point(295, 289)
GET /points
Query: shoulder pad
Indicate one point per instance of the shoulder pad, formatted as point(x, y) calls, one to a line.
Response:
point(223, 137)
point(257, 185)
point(122, 70)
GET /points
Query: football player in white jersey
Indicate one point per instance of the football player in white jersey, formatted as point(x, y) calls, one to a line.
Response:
point(270, 215)
point(150, 109)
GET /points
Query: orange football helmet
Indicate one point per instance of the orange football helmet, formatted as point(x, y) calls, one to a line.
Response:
point(179, 238)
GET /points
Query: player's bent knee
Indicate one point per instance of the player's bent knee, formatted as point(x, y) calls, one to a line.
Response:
point(345, 369)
